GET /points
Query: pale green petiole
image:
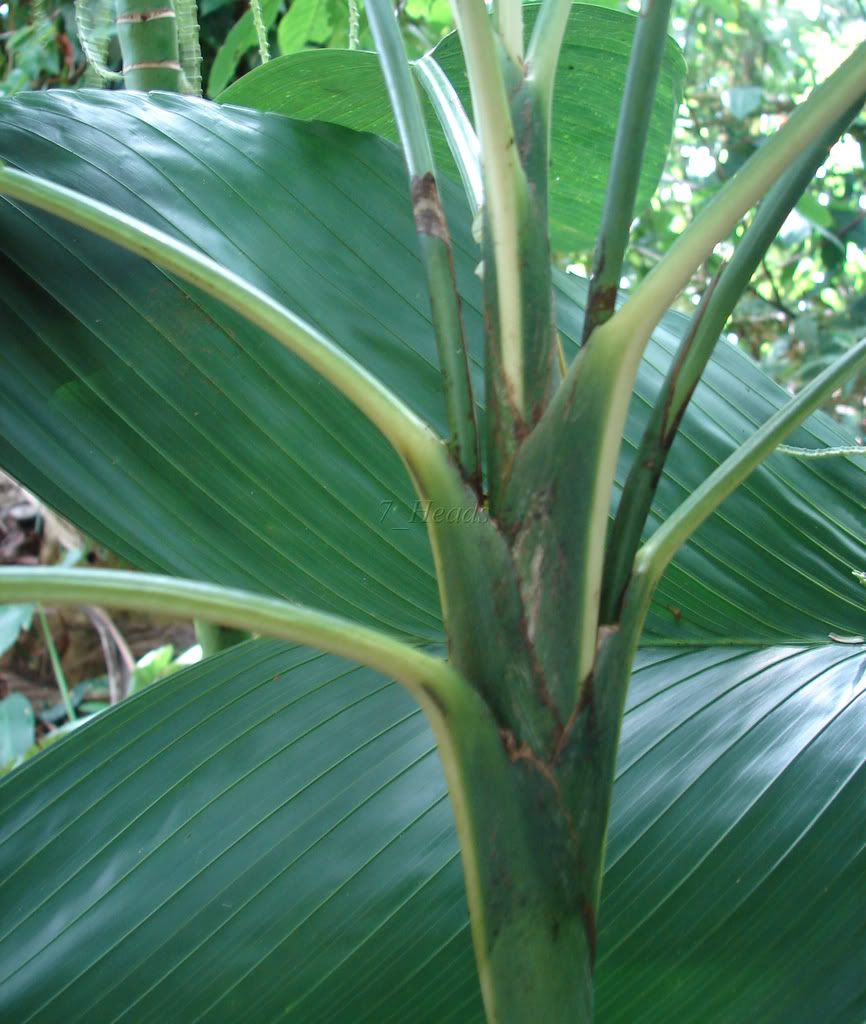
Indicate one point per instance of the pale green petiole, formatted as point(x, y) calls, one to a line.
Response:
point(425, 676)
point(461, 137)
point(408, 434)
point(505, 185)
point(402, 92)
point(652, 559)
point(542, 54)
point(651, 299)
point(632, 129)
point(433, 237)
point(509, 24)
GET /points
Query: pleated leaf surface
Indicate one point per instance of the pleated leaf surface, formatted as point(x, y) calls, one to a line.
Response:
point(191, 443)
point(267, 836)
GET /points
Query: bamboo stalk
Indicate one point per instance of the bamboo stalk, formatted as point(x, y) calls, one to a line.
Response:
point(147, 32)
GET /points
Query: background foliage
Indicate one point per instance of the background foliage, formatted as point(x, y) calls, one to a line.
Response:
point(720, 744)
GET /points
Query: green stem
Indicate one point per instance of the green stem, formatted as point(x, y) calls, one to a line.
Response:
point(649, 301)
point(57, 668)
point(401, 88)
point(189, 50)
point(530, 901)
point(354, 25)
point(821, 453)
point(408, 434)
point(646, 469)
point(433, 236)
point(508, 15)
point(691, 358)
point(426, 677)
point(504, 181)
point(655, 554)
point(632, 129)
point(261, 31)
point(147, 33)
point(542, 56)
point(459, 133)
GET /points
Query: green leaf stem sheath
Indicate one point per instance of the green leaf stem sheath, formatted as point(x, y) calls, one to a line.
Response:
point(692, 356)
point(504, 181)
point(631, 134)
point(426, 677)
point(434, 238)
point(656, 553)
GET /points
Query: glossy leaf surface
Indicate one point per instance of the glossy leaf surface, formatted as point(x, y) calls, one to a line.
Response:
point(268, 833)
point(216, 453)
point(188, 442)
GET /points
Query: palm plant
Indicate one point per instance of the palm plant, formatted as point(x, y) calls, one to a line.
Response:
point(247, 838)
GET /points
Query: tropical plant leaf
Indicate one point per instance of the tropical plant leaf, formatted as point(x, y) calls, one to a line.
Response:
point(775, 561)
point(231, 845)
point(736, 840)
point(138, 407)
point(268, 834)
point(185, 421)
point(347, 87)
point(305, 21)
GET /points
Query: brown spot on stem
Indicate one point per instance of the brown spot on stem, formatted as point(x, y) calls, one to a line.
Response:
point(523, 752)
point(427, 208)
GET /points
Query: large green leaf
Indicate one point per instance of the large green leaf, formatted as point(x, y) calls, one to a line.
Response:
point(166, 427)
point(346, 87)
point(267, 835)
point(185, 440)
point(736, 857)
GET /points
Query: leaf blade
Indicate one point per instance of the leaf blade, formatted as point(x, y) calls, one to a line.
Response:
point(304, 792)
point(290, 490)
